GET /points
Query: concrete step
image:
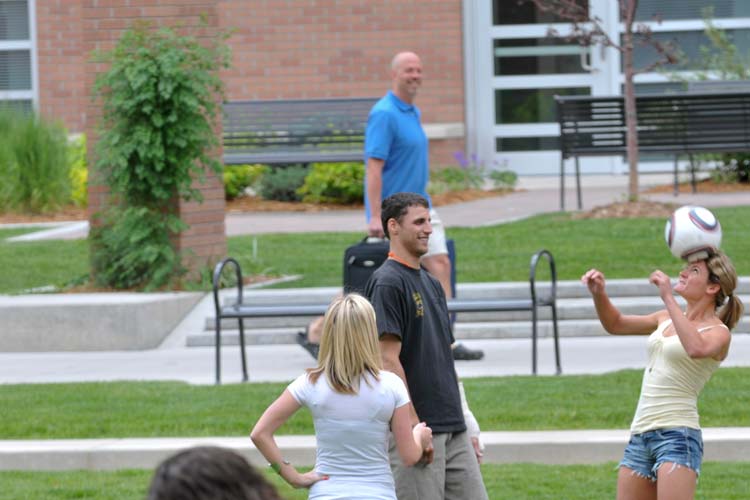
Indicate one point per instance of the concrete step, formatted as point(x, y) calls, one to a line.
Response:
point(544, 447)
point(478, 330)
point(474, 330)
point(567, 309)
point(575, 311)
point(469, 291)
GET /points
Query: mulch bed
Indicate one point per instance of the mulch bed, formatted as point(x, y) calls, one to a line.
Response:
point(255, 204)
point(629, 209)
point(704, 186)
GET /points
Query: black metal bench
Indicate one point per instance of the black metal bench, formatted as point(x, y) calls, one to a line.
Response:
point(240, 310)
point(679, 124)
point(295, 131)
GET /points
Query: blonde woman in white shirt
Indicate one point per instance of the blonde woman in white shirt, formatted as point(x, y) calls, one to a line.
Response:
point(663, 458)
point(355, 404)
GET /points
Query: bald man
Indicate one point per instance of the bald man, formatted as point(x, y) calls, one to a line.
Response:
point(397, 160)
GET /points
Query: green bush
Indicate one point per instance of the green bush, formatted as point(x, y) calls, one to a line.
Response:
point(33, 166)
point(161, 97)
point(504, 179)
point(237, 178)
point(334, 183)
point(123, 230)
point(281, 183)
point(455, 179)
point(734, 167)
point(7, 163)
point(78, 171)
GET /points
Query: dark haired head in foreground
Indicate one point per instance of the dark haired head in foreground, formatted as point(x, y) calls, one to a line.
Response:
point(209, 473)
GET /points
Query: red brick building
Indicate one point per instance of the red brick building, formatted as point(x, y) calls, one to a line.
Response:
point(281, 49)
point(290, 49)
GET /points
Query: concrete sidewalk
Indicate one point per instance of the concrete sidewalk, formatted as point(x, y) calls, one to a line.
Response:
point(545, 447)
point(534, 195)
point(284, 362)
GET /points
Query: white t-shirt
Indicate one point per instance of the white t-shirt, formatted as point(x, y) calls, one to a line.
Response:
point(352, 434)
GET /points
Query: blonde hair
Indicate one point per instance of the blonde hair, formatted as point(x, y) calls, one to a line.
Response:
point(721, 271)
point(349, 347)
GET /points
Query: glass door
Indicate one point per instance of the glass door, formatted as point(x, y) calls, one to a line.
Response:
point(516, 117)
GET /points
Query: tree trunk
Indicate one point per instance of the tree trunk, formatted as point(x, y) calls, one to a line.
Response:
point(631, 117)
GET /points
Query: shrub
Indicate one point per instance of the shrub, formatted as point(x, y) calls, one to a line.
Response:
point(455, 179)
point(734, 167)
point(132, 248)
point(160, 99)
point(504, 179)
point(8, 179)
point(237, 178)
point(33, 166)
point(78, 171)
point(281, 183)
point(334, 183)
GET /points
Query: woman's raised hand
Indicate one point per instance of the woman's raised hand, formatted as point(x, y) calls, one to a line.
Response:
point(662, 281)
point(594, 280)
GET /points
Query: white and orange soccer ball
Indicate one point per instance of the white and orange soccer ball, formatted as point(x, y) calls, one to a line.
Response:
point(691, 232)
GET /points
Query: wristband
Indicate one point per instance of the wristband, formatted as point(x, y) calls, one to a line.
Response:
point(277, 466)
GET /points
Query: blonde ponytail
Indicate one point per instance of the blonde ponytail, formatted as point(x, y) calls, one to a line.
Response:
point(721, 271)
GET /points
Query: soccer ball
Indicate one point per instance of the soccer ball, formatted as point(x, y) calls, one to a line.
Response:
point(691, 231)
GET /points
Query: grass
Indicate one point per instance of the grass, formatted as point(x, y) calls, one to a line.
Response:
point(718, 481)
point(622, 248)
point(33, 264)
point(164, 409)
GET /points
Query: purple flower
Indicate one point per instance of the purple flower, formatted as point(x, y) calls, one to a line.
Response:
point(461, 159)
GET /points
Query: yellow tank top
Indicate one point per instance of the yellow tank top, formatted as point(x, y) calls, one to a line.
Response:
point(671, 384)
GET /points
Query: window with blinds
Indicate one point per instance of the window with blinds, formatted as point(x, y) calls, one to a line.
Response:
point(673, 10)
point(16, 82)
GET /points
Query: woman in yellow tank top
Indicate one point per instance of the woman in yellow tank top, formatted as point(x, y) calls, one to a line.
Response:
point(663, 458)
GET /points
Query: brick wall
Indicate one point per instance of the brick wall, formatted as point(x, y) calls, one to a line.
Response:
point(103, 22)
point(282, 49)
point(343, 48)
point(61, 58)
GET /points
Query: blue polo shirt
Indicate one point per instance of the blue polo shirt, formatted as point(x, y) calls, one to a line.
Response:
point(394, 134)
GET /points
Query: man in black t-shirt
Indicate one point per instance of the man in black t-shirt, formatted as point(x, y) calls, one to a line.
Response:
point(415, 340)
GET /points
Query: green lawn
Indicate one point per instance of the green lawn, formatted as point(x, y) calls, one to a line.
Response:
point(718, 481)
point(622, 248)
point(163, 409)
point(629, 248)
point(33, 264)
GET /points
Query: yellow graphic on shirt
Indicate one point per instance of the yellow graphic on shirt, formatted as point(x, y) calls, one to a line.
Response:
point(418, 302)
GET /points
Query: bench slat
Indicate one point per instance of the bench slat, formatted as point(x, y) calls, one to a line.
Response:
point(295, 131)
point(454, 306)
point(672, 123)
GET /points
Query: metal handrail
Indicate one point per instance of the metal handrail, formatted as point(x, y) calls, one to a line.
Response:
point(216, 282)
point(550, 300)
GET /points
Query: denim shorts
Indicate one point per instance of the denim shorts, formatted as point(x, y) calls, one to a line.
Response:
point(646, 452)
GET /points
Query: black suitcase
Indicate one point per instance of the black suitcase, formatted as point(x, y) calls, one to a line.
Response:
point(360, 260)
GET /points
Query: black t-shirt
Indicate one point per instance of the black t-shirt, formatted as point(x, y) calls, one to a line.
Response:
point(410, 304)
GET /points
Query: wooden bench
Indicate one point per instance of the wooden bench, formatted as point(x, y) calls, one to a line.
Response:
point(295, 131)
point(684, 123)
point(241, 310)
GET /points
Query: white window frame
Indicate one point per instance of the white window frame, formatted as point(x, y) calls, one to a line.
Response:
point(605, 79)
point(30, 45)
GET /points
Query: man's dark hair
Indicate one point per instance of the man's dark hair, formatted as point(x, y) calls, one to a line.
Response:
point(396, 206)
point(209, 473)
